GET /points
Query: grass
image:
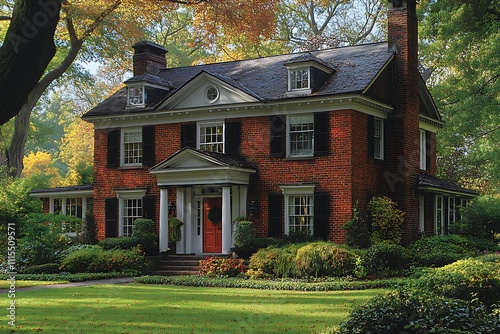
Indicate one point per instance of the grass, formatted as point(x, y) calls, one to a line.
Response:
point(23, 284)
point(136, 308)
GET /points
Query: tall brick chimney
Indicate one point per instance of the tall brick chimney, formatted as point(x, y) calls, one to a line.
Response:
point(148, 57)
point(404, 123)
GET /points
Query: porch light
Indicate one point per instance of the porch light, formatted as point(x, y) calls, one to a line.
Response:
point(171, 208)
point(253, 208)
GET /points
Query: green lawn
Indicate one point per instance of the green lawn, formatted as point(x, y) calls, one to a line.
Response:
point(137, 308)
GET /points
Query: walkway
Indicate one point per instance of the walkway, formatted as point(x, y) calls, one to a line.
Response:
point(121, 280)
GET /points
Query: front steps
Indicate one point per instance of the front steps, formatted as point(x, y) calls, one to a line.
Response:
point(177, 265)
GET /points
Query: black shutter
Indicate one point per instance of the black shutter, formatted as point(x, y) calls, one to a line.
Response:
point(188, 135)
point(321, 216)
point(321, 134)
point(111, 219)
point(275, 215)
point(149, 207)
point(277, 140)
point(371, 136)
point(232, 137)
point(113, 148)
point(427, 150)
point(148, 146)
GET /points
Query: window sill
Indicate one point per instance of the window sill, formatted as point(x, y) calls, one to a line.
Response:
point(299, 158)
point(139, 166)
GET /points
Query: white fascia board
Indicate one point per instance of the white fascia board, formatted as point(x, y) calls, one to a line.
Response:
point(203, 176)
point(241, 110)
point(71, 193)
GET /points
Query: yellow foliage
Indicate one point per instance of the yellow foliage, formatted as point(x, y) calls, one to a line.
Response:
point(42, 163)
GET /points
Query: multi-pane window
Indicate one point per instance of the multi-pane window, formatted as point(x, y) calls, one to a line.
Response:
point(301, 135)
point(378, 138)
point(58, 205)
point(132, 209)
point(74, 207)
point(299, 79)
point(212, 138)
point(452, 210)
point(300, 213)
point(132, 146)
point(136, 96)
point(423, 150)
point(439, 216)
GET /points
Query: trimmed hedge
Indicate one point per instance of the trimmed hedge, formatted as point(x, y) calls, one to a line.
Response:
point(48, 268)
point(321, 259)
point(276, 261)
point(385, 259)
point(71, 277)
point(474, 278)
point(408, 312)
point(95, 260)
point(119, 243)
point(283, 284)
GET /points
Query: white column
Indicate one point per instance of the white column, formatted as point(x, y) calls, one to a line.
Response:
point(180, 247)
point(235, 192)
point(243, 200)
point(188, 220)
point(163, 219)
point(226, 220)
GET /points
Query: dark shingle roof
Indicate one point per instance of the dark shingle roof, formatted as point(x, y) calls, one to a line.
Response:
point(267, 78)
point(64, 189)
point(426, 180)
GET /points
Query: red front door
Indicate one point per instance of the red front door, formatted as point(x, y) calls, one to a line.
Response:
point(212, 225)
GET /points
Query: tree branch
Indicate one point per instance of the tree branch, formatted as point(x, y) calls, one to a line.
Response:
point(5, 18)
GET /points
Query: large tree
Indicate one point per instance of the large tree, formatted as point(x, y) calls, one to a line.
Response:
point(460, 43)
point(93, 30)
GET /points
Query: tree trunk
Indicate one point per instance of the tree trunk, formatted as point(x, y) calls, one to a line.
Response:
point(26, 51)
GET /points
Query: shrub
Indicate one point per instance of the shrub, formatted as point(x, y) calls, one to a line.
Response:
point(387, 220)
point(324, 259)
point(244, 237)
point(145, 231)
point(88, 235)
point(466, 279)
point(95, 260)
point(357, 230)
point(297, 237)
point(48, 268)
point(480, 218)
point(408, 312)
point(222, 267)
point(73, 249)
point(440, 250)
point(119, 243)
point(174, 229)
point(385, 259)
point(275, 261)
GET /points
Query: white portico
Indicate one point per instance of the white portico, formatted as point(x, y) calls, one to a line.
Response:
point(211, 191)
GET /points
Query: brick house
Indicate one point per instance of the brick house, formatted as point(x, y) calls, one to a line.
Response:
point(293, 141)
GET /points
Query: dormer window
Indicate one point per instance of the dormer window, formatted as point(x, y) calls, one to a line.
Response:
point(299, 79)
point(136, 96)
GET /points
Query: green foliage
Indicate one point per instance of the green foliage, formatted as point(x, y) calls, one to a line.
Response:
point(95, 260)
point(244, 237)
point(47, 268)
point(440, 250)
point(385, 259)
point(174, 233)
point(324, 259)
point(297, 237)
point(222, 267)
point(337, 284)
point(88, 235)
point(480, 218)
point(275, 261)
point(119, 243)
point(43, 239)
point(357, 230)
point(145, 231)
point(468, 279)
point(71, 277)
point(405, 311)
point(387, 220)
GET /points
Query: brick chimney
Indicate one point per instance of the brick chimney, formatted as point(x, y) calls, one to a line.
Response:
point(404, 121)
point(148, 57)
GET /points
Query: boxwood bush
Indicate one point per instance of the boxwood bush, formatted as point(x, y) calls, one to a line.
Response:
point(321, 259)
point(119, 243)
point(275, 261)
point(473, 278)
point(404, 311)
point(97, 260)
point(385, 259)
point(48, 268)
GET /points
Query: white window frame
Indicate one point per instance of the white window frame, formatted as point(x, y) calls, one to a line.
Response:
point(423, 150)
point(211, 99)
point(291, 192)
point(452, 210)
point(64, 210)
point(123, 196)
point(201, 146)
point(292, 84)
point(378, 137)
point(289, 135)
point(421, 213)
point(439, 218)
point(136, 100)
point(138, 149)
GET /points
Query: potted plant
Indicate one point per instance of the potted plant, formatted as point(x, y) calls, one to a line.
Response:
point(175, 233)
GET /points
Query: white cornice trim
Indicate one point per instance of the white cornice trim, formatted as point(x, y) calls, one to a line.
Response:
point(203, 176)
point(66, 193)
point(241, 110)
